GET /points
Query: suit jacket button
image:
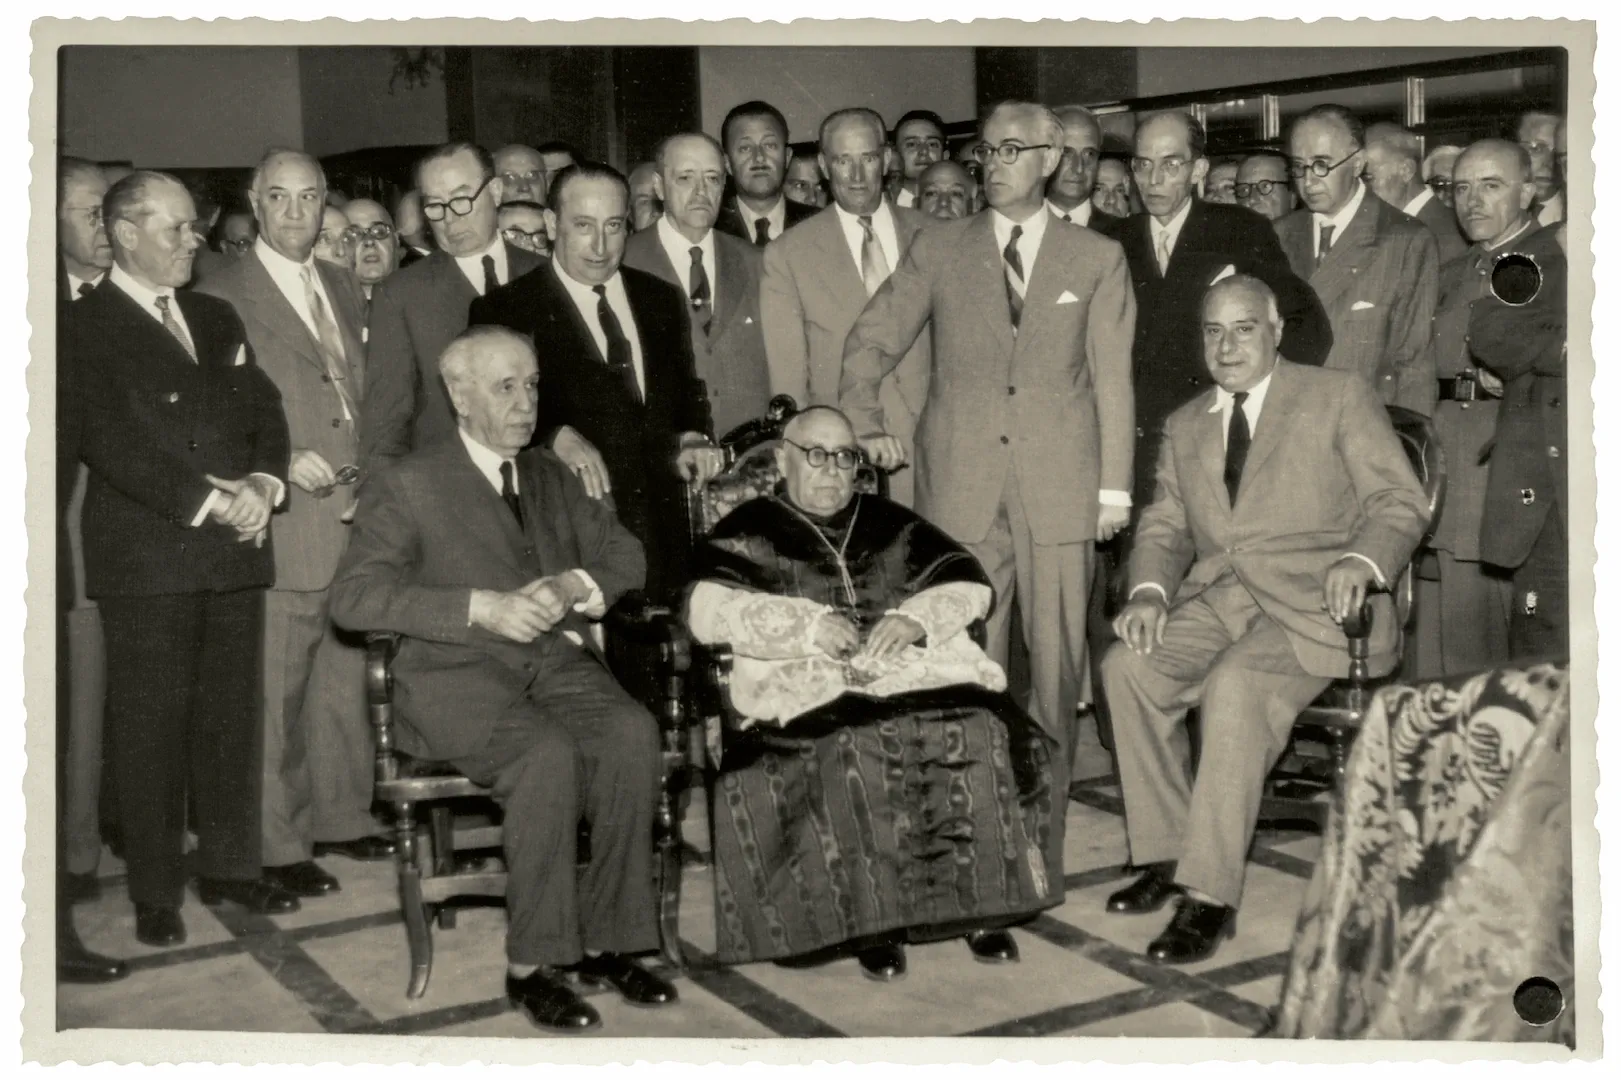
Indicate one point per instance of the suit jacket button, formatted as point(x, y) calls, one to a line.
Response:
point(191, 444)
point(1004, 440)
point(326, 378)
point(1010, 391)
point(1553, 451)
point(1139, 433)
point(335, 423)
point(1193, 380)
point(1528, 496)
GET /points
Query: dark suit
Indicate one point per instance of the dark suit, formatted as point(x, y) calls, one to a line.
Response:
point(638, 441)
point(415, 313)
point(182, 606)
point(730, 219)
point(730, 355)
point(1527, 493)
point(544, 723)
point(1442, 221)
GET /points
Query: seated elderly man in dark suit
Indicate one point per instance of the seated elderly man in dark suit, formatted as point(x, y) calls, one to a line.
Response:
point(489, 559)
point(1244, 569)
point(882, 786)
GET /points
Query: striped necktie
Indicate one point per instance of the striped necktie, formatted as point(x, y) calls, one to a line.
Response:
point(331, 344)
point(171, 324)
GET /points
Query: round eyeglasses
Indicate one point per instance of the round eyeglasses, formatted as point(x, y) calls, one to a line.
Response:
point(1318, 167)
point(1007, 153)
point(461, 206)
point(378, 232)
point(817, 456)
point(1258, 187)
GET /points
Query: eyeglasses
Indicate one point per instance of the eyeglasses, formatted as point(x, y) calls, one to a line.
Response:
point(338, 242)
point(1439, 184)
point(1007, 153)
point(1172, 166)
point(1318, 168)
point(1084, 158)
point(461, 206)
point(817, 456)
point(518, 236)
point(344, 477)
point(239, 245)
point(378, 232)
point(1259, 187)
point(524, 179)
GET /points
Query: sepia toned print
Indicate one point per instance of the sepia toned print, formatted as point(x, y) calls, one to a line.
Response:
point(732, 536)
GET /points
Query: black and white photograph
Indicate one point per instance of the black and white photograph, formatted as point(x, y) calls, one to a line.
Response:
point(789, 535)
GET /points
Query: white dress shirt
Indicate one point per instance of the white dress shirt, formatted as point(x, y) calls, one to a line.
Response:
point(619, 303)
point(777, 216)
point(1081, 215)
point(1171, 229)
point(905, 198)
point(147, 300)
point(1341, 221)
point(289, 278)
point(883, 225)
point(75, 283)
point(1553, 211)
point(1034, 228)
point(489, 463)
point(472, 266)
point(1252, 415)
point(1418, 202)
point(679, 249)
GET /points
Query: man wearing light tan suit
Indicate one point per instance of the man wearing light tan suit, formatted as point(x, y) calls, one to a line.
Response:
point(1374, 268)
point(303, 319)
point(1024, 449)
point(718, 273)
point(820, 275)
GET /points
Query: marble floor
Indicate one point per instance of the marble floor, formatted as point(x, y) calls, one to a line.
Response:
point(339, 965)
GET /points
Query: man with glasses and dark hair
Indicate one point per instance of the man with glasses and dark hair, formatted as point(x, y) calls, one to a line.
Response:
point(1374, 268)
point(1069, 192)
point(848, 617)
point(373, 244)
point(1396, 175)
point(1024, 446)
point(920, 140)
point(1220, 182)
point(417, 312)
point(1263, 185)
point(755, 138)
point(304, 317)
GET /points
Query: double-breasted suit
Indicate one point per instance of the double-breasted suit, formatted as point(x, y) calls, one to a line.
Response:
point(730, 355)
point(318, 754)
point(810, 295)
point(1378, 284)
point(1020, 430)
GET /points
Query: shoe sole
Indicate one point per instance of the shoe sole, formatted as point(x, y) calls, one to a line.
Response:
point(604, 984)
point(995, 959)
point(875, 977)
point(221, 901)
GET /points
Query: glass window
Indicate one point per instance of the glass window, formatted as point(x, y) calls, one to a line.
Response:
point(1462, 108)
point(1233, 125)
point(1385, 101)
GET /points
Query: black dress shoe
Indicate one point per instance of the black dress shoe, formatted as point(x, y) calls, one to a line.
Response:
point(635, 983)
point(77, 964)
point(1148, 893)
point(258, 896)
point(302, 879)
point(550, 1002)
point(81, 888)
point(993, 946)
point(819, 958)
point(885, 962)
point(159, 927)
point(361, 848)
point(1196, 930)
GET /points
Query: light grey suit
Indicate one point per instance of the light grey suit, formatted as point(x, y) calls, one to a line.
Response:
point(810, 296)
point(318, 755)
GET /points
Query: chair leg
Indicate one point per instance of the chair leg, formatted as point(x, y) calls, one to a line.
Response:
point(668, 854)
point(442, 826)
point(418, 935)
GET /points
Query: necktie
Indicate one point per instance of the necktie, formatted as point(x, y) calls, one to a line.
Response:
point(331, 345)
point(874, 267)
point(1015, 269)
point(1325, 238)
point(618, 345)
point(171, 324)
point(762, 231)
point(1162, 251)
point(702, 309)
point(85, 289)
point(491, 282)
point(1238, 446)
point(509, 494)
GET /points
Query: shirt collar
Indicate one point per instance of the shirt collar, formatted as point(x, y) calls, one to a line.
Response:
point(777, 215)
point(581, 292)
point(880, 216)
point(1034, 228)
point(488, 461)
point(679, 248)
point(1253, 402)
point(1342, 220)
point(474, 264)
point(1418, 202)
point(1174, 226)
point(74, 281)
point(1525, 227)
point(275, 262)
point(142, 295)
point(1081, 215)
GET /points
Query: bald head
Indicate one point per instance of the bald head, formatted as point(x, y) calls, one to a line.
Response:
point(823, 433)
point(1492, 190)
point(1395, 167)
point(821, 422)
point(1241, 329)
point(644, 200)
point(289, 201)
point(523, 173)
point(946, 191)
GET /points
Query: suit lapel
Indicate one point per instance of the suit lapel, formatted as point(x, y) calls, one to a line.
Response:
point(1047, 277)
point(349, 315)
point(1276, 413)
point(1351, 254)
point(1212, 450)
point(480, 507)
point(989, 284)
point(266, 303)
point(520, 262)
point(1294, 236)
point(730, 282)
point(844, 277)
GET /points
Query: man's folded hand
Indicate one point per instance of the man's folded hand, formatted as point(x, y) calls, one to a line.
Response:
point(515, 616)
point(1141, 624)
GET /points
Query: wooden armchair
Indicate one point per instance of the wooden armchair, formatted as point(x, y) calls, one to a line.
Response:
point(442, 858)
point(1295, 788)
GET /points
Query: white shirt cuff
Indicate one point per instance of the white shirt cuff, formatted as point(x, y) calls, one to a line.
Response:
point(281, 489)
point(1156, 586)
point(208, 504)
point(1107, 497)
point(593, 606)
point(1378, 575)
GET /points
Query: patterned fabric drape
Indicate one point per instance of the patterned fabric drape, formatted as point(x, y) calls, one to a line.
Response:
point(1445, 878)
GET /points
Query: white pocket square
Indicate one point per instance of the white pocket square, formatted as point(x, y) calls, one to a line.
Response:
point(1227, 272)
point(1069, 298)
point(748, 320)
point(1361, 305)
point(241, 356)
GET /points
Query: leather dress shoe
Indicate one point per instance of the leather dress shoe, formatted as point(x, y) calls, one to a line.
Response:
point(361, 848)
point(993, 946)
point(1196, 930)
point(302, 878)
point(884, 963)
point(1148, 893)
point(551, 1003)
point(77, 964)
point(635, 983)
point(819, 958)
point(159, 927)
point(259, 896)
point(81, 888)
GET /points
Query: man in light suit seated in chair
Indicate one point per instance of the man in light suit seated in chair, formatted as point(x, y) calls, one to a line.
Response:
point(877, 784)
point(1246, 566)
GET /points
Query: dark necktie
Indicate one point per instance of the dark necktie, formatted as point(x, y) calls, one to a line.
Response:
point(509, 494)
point(491, 282)
point(619, 360)
point(1015, 266)
point(1238, 446)
point(1324, 239)
point(85, 289)
point(762, 231)
point(702, 309)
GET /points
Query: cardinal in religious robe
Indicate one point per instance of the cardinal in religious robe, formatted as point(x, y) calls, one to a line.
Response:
point(877, 786)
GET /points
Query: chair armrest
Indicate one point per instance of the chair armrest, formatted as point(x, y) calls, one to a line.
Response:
point(1358, 625)
point(641, 622)
point(381, 648)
